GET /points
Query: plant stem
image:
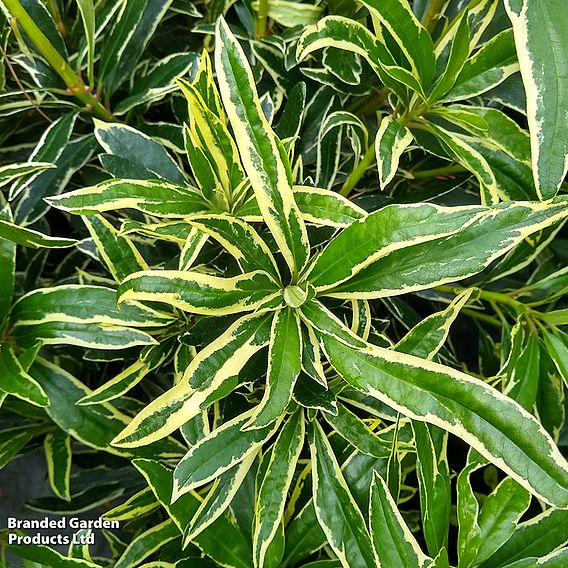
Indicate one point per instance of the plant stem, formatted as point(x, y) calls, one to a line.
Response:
point(359, 171)
point(74, 82)
point(261, 17)
point(482, 317)
point(433, 15)
point(447, 170)
point(488, 296)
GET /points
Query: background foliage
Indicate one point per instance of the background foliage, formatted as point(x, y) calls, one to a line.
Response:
point(283, 284)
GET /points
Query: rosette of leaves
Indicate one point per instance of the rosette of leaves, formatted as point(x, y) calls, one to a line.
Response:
point(438, 78)
point(280, 290)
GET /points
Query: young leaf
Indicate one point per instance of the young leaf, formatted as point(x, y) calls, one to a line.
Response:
point(261, 153)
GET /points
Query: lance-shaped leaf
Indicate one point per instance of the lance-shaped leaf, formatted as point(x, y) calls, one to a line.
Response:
point(212, 368)
point(557, 346)
point(82, 304)
point(95, 425)
point(535, 537)
point(391, 141)
point(131, 144)
point(490, 66)
point(433, 475)
point(284, 366)
point(149, 196)
point(356, 432)
point(382, 232)
point(427, 337)
point(336, 510)
point(218, 498)
point(218, 452)
point(118, 252)
point(150, 359)
point(393, 542)
point(452, 400)
point(30, 238)
point(193, 245)
point(209, 139)
point(271, 498)
point(412, 38)
point(262, 155)
point(148, 542)
point(138, 505)
point(317, 316)
point(11, 172)
point(456, 44)
point(328, 208)
point(200, 293)
point(455, 257)
point(222, 540)
point(7, 266)
point(240, 240)
point(541, 42)
point(499, 517)
point(15, 380)
point(45, 556)
point(349, 35)
point(57, 448)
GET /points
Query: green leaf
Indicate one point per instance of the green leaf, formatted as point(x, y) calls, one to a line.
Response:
point(284, 366)
point(11, 172)
point(490, 66)
point(524, 380)
point(217, 452)
point(57, 448)
point(433, 474)
point(382, 232)
point(303, 536)
point(290, 14)
point(458, 256)
point(138, 505)
point(87, 11)
point(30, 238)
point(356, 432)
point(427, 337)
point(557, 346)
point(240, 240)
point(148, 542)
point(213, 367)
point(541, 43)
point(336, 510)
point(459, 49)
point(16, 381)
point(158, 82)
point(536, 537)
point(94, 425)
point(46, 556)
point(412, 38)
point(391, 141)
point(48, 149)
point(276, 481)
point(200, 293)
point(393, 542)
point(153, 197)
point(127, 142)
point(452, 400)
point(118, 252)
point(7, 266)
point(222, 540)
point(499, 516)
point(218, 498)
point(262, 155)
